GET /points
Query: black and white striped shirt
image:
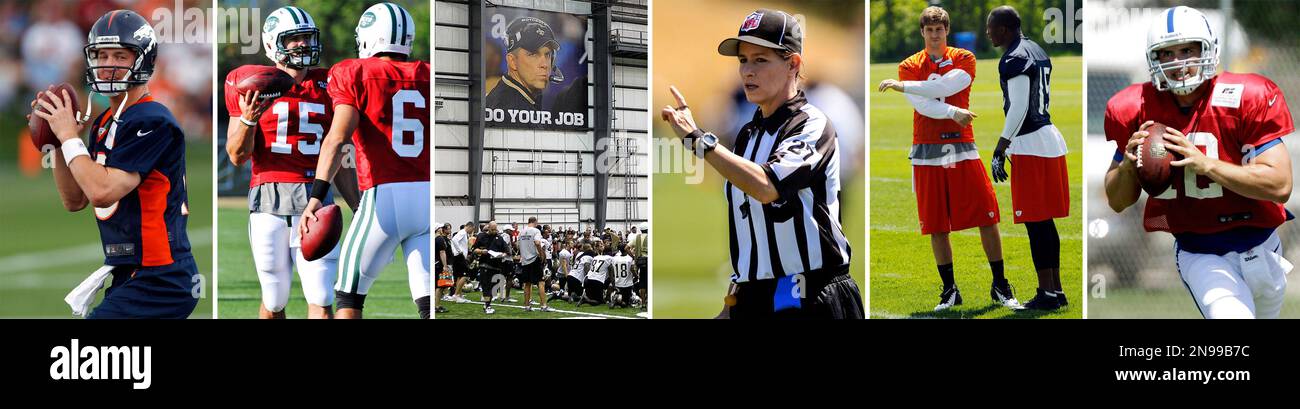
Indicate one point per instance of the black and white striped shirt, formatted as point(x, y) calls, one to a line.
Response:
point(799, 232)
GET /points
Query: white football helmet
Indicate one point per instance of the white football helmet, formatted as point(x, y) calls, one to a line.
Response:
point(385, 28)
point(286, 22)
point(1180, 25)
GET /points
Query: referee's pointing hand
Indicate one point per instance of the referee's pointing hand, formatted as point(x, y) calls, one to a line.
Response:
point(679, 116)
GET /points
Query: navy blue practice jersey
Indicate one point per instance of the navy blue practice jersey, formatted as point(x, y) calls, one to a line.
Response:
point(1025, 57)
point(147, 226)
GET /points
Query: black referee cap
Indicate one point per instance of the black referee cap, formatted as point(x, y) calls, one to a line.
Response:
point(768, 28)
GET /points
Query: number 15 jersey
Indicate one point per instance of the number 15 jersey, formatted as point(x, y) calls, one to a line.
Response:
point(287, 143)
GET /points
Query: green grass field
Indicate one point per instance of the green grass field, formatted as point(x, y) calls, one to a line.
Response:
point(47, 251)
point(514, 310)
point(1170, 303)
point(690, 260)
point(904, 282)
point(1136, 303)
point(240, 295)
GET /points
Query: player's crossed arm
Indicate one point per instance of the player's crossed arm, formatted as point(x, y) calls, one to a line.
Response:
point(950, 83)
point(929, 107)
point(746, 175)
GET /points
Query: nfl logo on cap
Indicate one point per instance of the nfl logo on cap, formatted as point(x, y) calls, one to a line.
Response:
point(752, 21)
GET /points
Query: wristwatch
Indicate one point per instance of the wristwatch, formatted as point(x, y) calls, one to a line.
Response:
point(705, 143)
point(700, 142)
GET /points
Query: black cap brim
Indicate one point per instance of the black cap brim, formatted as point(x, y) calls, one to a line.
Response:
point(731, 46)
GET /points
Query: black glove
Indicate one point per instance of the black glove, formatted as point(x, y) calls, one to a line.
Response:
point(999, 163)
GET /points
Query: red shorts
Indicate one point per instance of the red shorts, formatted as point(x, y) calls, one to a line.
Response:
point(1040, 188)
point(954, 198)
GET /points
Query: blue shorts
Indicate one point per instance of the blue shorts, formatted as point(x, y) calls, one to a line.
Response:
point(151, 292)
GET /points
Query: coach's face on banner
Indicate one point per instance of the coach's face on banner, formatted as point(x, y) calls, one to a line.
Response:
point(532, 66)
point(535, 69)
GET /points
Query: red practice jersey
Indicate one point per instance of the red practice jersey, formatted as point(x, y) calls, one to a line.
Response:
point(919, 67)
point(1243, 114)
point(392, 137)
point(290, 130)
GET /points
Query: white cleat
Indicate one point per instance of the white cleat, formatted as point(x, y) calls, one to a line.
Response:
point(948, 298)
point(1005, 296)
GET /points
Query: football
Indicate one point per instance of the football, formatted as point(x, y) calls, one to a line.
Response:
point(323, 234)
point(1153, 161)
point(271, 81)
point(40, 128)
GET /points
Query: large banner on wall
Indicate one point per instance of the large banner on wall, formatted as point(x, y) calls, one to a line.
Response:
point(535, 69)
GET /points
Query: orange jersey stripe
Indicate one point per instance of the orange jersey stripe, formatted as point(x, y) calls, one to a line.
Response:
point(155, 248)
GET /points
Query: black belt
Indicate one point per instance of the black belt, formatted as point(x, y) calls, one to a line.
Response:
point(815, 280)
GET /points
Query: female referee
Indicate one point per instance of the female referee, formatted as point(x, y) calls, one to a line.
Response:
point(789, 256)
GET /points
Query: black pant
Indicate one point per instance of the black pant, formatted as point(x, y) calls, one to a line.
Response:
point(643, 267)
point(829, 294)
point(625, 293)
point(459, 267)
point(595, 291)
point(573, 286)
point(531, 273)
point(486, 274)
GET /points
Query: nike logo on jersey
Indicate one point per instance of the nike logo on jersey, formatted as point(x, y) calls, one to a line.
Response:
point(230, 83)
point(1272, 100)
point(143, 133)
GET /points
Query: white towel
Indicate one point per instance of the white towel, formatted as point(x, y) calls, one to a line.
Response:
point(81, 297)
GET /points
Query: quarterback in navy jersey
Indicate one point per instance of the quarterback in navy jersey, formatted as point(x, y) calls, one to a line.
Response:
point(132, 173)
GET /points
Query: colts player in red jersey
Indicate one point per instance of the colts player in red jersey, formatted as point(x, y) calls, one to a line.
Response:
point(282, 137)
point(1225, 201)
point(381, 100)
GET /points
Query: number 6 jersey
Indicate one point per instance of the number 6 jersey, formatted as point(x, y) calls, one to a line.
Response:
point(290, 130)
point(392, 136)
point(1240, 117)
